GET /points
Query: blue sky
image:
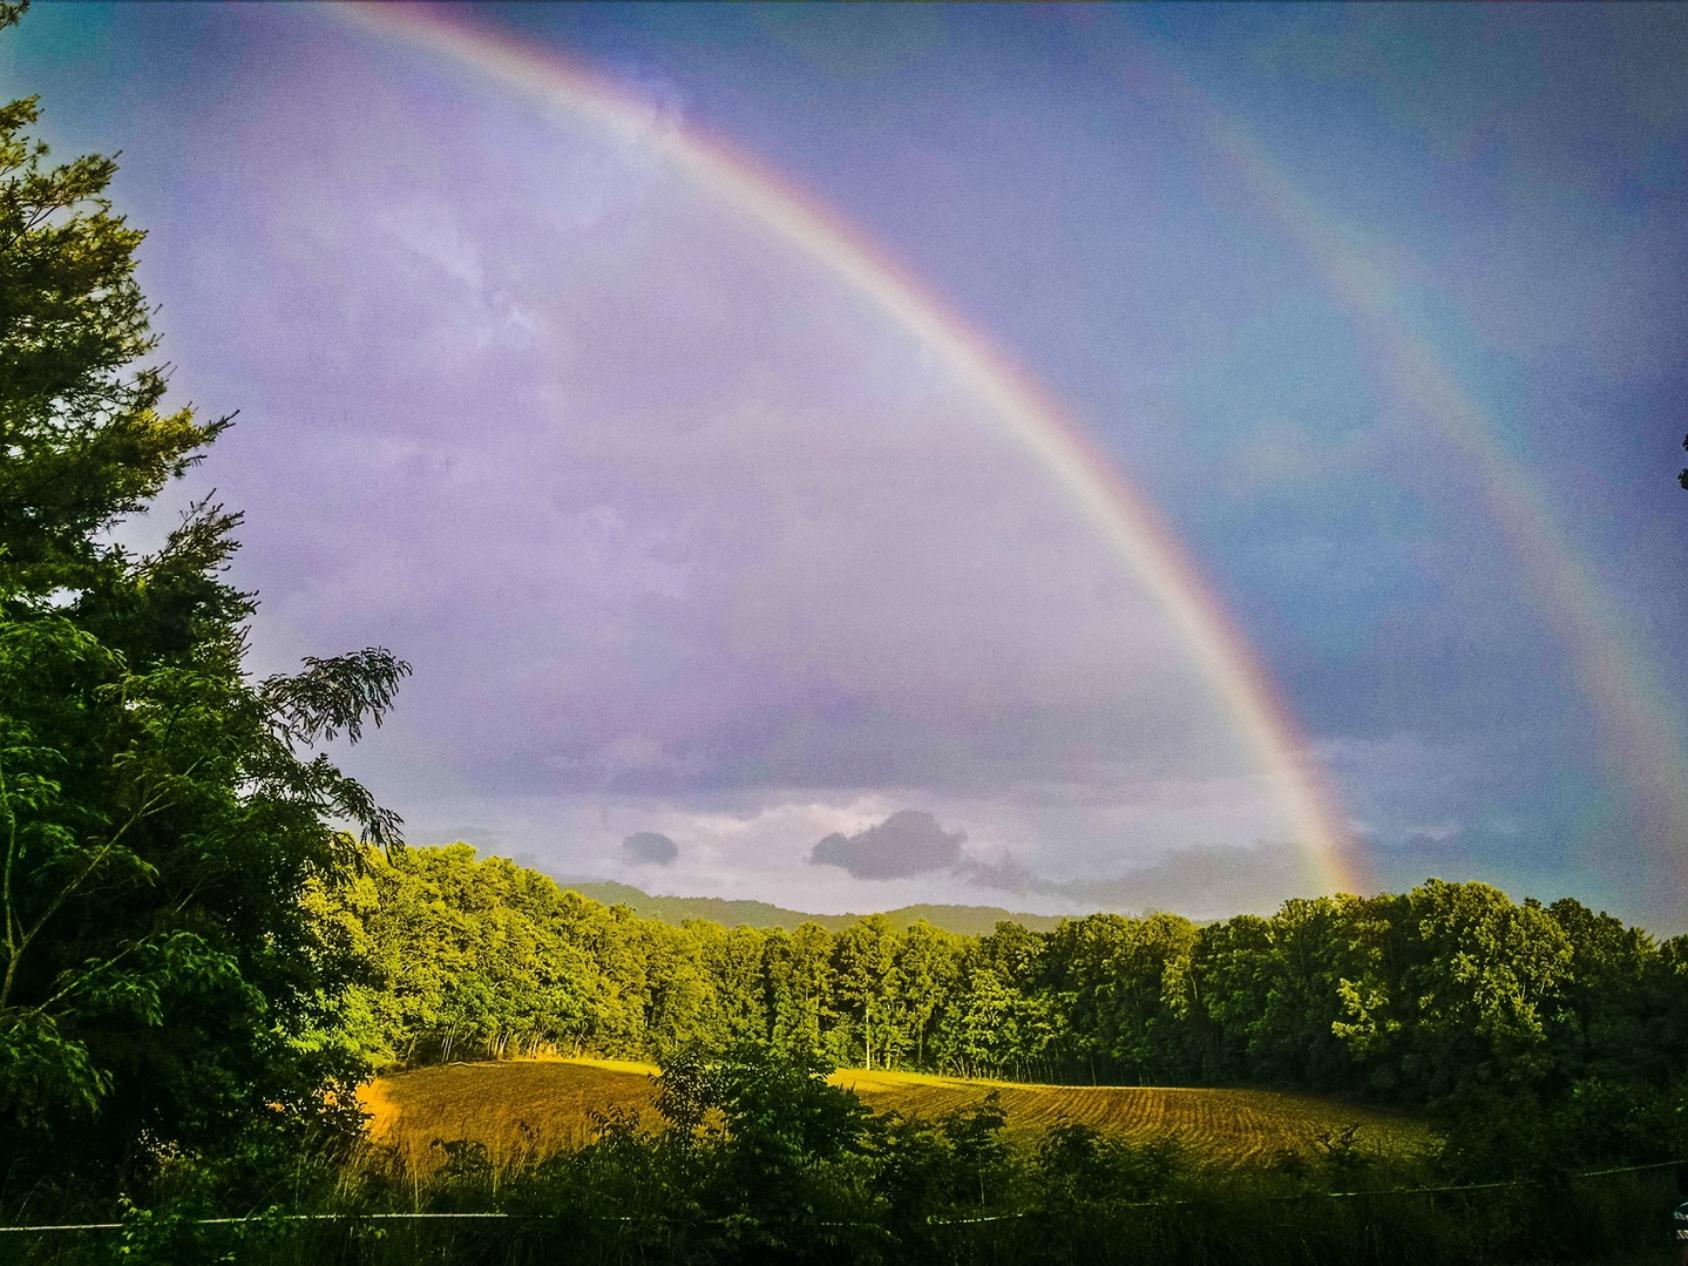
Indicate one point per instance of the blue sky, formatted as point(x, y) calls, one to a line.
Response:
point(685, 538)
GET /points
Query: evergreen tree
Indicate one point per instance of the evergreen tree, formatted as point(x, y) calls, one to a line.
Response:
point(162, 814)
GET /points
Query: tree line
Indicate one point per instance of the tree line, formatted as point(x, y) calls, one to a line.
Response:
point(1423, 998)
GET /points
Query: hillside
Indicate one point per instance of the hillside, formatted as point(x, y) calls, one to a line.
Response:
point(964, 920)
point(525, 1109)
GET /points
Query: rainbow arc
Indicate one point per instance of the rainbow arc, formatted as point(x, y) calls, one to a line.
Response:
point(1121, 515)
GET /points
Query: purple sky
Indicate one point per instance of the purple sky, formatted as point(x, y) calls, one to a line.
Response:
point(687, 539)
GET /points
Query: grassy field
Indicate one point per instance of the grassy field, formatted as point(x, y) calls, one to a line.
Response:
point(1239, 1126)
point(521, 1110)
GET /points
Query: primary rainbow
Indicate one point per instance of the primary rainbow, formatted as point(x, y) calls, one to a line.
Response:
point(1122, 516)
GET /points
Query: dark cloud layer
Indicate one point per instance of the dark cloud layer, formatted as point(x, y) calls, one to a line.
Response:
point(647, 848)
point(665, 515)
point(909, 842)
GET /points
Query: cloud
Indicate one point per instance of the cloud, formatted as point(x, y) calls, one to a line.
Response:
point(909, 842)
point(647, 848)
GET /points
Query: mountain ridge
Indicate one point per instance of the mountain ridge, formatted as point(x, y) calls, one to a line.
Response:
point(731, 912)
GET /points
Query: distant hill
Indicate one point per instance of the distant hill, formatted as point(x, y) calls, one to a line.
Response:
point(967, 920)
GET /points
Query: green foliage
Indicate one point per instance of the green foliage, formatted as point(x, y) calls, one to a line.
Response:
point(84, 430)
point(778, 1170)
point(833, 1186)
point(1449, 997)
point(1077, 1168)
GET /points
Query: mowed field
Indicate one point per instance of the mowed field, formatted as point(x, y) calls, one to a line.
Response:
point(525, 1109)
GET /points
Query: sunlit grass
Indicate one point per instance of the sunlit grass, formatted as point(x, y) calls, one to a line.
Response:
point(526, 1109)
point(1226, 1126)
point(520, 1110)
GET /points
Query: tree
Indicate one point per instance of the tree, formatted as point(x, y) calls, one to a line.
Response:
point(798, 970)
point(925, 972)
point(162, 813)
point(864, 958)
point(777, 1136)
point(1482, 982)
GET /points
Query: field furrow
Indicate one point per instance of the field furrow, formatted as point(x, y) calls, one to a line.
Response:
point(522, 1110)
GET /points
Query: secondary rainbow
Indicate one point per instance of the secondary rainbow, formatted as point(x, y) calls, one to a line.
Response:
point(1643, 740)
point(1120, 514)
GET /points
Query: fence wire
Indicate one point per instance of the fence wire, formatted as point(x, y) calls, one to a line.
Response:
point(259, 1220)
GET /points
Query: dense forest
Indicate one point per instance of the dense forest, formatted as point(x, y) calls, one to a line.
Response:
point(1424, 998)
